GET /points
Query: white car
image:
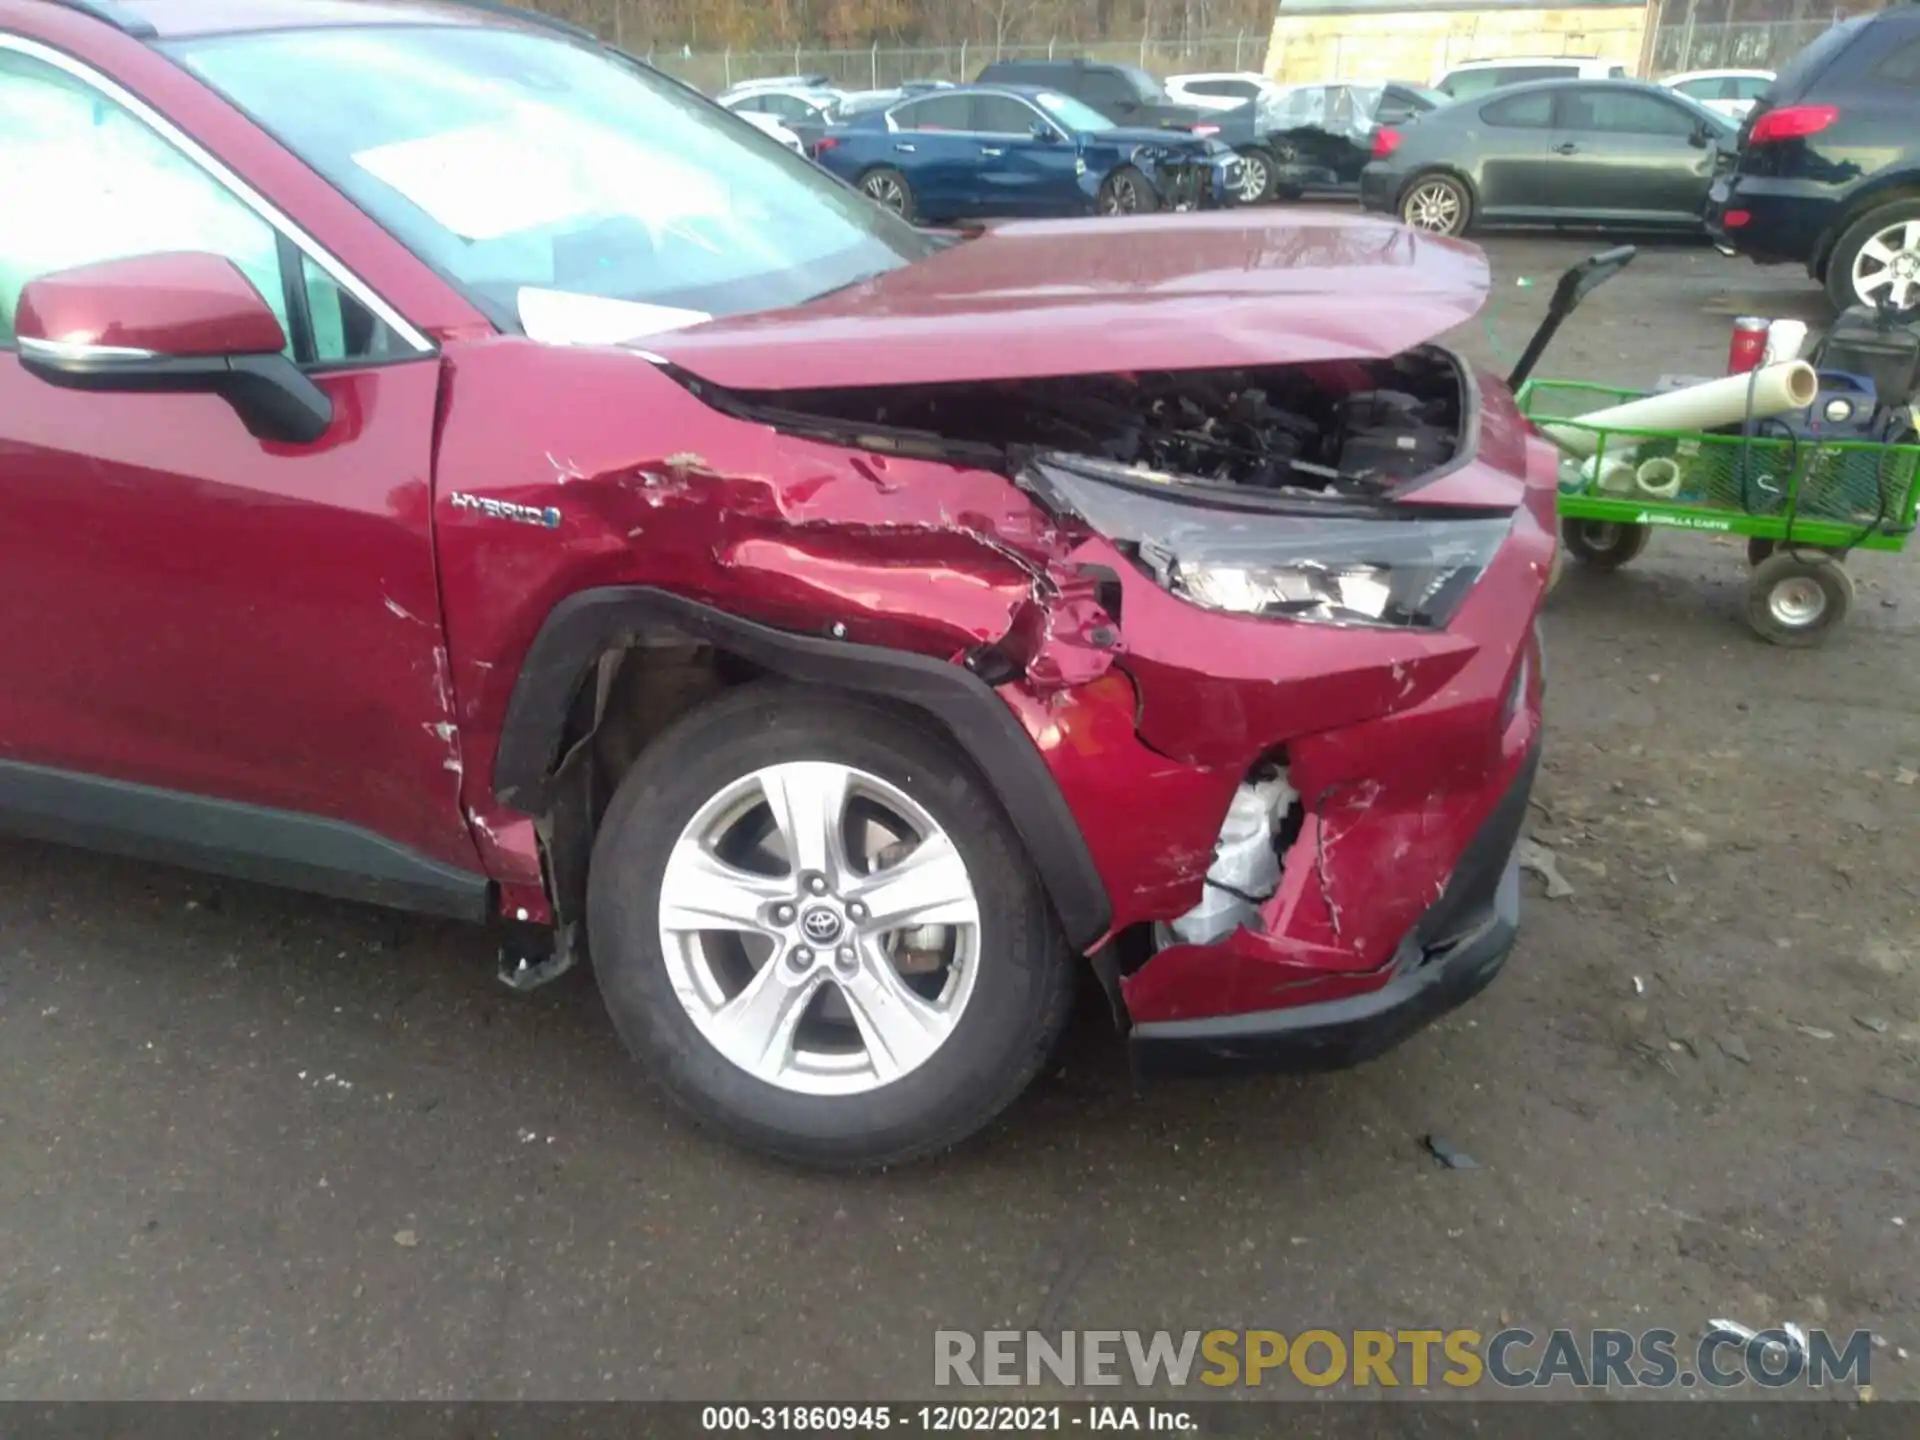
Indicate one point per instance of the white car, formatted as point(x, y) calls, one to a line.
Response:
point(770, 126)
point(1476, 77)
point(1217, 90)
point(1726, 92)
point(805, 104)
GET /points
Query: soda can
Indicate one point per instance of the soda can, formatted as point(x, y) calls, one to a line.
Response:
point(1749, 344)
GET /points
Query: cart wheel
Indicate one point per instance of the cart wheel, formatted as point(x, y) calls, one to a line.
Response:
point(1604, 544)
point(1798, 598)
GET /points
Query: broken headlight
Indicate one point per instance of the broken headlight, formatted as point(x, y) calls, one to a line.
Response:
point(1282, 554)
point(1357, 572)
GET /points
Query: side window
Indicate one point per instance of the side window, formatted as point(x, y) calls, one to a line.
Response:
point(123, 190)
point(1003, 115)
point(1708, 89)
point(1749, 87)
point(1227, 89)
point(1521, 74)
point(1622, 112)
point(1533, 111)
point(1102, 88)
point(938, 112)
point(1470, 83)
point(1900, 65)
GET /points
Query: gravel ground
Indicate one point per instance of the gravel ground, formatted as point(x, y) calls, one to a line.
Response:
point(259, 1145)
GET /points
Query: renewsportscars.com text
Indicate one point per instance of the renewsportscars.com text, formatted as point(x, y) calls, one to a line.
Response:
point(1511, 1358)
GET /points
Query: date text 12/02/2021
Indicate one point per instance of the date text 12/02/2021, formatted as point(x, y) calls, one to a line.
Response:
point(947, 1419)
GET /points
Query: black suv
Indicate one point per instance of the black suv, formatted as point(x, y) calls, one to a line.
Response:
point(1829, 164)
point(1124, 94)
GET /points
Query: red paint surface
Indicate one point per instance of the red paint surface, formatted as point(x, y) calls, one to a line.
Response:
point(179, 305)
point(321, 629)
point(1258, 286)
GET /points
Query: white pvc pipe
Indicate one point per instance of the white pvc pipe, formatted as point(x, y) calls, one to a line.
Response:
point(1658, 478)
point(1614, 475)
point(1773, 390)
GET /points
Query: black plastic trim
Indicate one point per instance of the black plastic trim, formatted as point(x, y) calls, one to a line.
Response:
point(247, 842)
point(584, 626)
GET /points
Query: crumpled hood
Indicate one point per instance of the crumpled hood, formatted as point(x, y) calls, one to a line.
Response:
point(1076, 297)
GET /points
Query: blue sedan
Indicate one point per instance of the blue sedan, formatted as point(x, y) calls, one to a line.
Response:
point(991, 150)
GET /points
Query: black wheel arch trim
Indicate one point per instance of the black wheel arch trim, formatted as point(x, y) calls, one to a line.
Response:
point(585, 626)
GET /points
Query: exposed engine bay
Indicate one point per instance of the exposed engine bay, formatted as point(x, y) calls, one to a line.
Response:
point(1355, 427)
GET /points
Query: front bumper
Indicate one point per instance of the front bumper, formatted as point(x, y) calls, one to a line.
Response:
point(1209, 184)
point(1455, 951)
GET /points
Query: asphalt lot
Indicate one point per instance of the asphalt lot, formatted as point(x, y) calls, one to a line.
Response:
point(258, 1145)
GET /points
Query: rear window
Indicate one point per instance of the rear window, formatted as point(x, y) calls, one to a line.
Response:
point(1801, 71)
point(1900, 65)
point(1521, 112)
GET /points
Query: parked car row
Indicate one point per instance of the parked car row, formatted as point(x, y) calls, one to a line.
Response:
point(1818, 165)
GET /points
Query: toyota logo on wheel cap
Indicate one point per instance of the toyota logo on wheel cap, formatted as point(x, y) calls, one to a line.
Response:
point(822, 926)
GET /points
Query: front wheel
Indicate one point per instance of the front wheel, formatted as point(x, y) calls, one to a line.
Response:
point(1604, 544)
point(1437, 204)
point(1798, 597)
point(887, 187)
point(811, 921)
point(1256, 175)
point(1126, 192)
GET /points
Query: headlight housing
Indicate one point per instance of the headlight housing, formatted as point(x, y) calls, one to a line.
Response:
point(1392, 572)
point(1308, 558)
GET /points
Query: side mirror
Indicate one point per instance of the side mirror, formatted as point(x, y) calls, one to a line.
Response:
point(1702, 137)
point(1043, 132)
point(179, 322)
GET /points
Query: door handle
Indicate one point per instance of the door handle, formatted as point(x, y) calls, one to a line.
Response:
point(991, 150)
point(905, 147)
point(1567, 149)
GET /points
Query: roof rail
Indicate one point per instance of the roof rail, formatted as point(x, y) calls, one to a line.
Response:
point(532, 17)
point(122, 19)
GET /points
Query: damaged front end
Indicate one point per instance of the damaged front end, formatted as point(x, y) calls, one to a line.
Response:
point(1319, 703)
point(1254, 565)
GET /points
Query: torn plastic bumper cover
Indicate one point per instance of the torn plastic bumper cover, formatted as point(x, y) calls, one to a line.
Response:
point(1451, 955)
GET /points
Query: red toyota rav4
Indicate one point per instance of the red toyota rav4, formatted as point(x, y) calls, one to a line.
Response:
point(448, 464)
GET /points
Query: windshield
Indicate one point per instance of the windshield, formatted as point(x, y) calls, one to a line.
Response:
point(1072, 113)
point(515, 162)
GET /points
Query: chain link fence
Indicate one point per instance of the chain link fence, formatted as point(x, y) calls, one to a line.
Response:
point(879, 67)
point(1680, 47)
point(1676, 47)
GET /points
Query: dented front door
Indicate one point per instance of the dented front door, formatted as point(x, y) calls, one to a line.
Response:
point(194, 609)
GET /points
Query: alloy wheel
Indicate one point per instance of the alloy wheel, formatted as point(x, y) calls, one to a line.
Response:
point(887, 191)
point(1433, 206)
point(1255, 177)
point(819, 927)
point(1888, 266)
point(1123, 196)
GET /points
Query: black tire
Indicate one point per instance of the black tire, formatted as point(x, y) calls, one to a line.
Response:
point(1023, 988)
point(1436, 203)
point(1604, 544)
point(1257, 186)
point(1126, 192)
point(1798, 598)
point(888, 188)
point(1841, 291)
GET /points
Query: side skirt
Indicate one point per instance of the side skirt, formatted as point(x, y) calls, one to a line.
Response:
point(225, 837)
